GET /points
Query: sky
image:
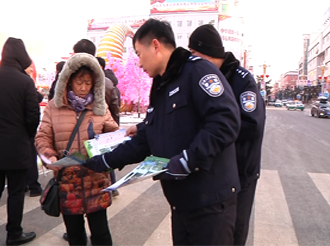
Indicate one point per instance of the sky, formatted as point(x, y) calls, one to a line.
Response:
point(275, 30)
point(51, 28)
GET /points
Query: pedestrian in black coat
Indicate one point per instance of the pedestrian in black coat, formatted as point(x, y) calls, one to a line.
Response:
point(114, 106)
point(206, 42)
point(19, 119)
point(59, 67)
point(111, 75)
point(32, 183)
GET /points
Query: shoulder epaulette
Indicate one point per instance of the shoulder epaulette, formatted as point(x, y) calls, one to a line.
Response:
point(194, 58)
point(242, 73)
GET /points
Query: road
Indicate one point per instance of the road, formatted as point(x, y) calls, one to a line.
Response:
point(291, 205)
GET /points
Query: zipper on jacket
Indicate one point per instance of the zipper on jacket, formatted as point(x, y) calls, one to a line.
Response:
point(81, 174)
point(78, 135)
point(83, 191)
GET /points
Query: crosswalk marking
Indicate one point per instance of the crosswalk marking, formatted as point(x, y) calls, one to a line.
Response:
point(272, 222)
point(30, 203)
point(162, 234)
point(322, 182)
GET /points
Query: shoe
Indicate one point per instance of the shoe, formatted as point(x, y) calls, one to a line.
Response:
point(37, 192)
point(24, 238)
point(115, 193)
point(26, 188)
point(65, 236)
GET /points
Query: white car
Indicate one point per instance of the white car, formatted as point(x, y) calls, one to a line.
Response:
point(278, 103)
point(295, 105)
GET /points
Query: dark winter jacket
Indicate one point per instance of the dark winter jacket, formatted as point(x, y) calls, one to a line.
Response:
point(252, 108)
point(110, 75)
point(192, 108)
point(111, 99)
point(19, 107)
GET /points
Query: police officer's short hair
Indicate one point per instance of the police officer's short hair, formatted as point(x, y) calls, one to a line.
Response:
point(85, 46)
point(155, 29)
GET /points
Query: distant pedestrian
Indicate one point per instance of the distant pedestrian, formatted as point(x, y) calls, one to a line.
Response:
point(111, 97)
point(59, 67)
point(114, 110)
point(19, 119)
point(32, 183)
point(206, 42)
point(111, 75)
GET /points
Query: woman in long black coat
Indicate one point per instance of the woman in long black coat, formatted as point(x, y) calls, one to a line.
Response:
point(19, 119)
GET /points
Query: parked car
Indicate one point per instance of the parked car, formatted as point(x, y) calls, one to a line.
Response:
point(271, 103)
point(284, 101)
point(290, 102)
point(321, 108)
point(295, 105)
point(278, 103)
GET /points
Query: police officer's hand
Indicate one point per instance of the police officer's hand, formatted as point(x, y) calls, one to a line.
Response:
point(131, 131)
point(177, 168)
point(97, 164)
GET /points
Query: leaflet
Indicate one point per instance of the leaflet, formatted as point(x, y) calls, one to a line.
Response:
point(150, 167)
point(70, 160)
point(105, 142)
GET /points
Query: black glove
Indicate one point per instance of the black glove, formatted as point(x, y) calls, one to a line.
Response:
point(97, 164)
point(177, 168)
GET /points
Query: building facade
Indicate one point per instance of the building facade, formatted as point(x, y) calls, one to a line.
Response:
point(319, 56)
point(184, 16)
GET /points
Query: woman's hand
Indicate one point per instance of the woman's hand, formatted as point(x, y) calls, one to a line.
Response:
point(50, 166)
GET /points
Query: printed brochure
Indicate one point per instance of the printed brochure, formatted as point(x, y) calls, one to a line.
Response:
point(151, 166)
point(105, 142)
point(70, 160)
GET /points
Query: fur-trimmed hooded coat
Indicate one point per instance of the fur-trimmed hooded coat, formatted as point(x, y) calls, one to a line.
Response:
point(80, 188)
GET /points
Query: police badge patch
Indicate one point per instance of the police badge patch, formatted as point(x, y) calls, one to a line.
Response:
point(248, 101)
point(212, 85)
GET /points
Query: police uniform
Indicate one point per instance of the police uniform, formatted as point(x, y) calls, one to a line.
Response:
point(249, 141)
point(192, 108)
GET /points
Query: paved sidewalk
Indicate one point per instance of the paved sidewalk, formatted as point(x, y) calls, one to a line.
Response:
point(131, 118)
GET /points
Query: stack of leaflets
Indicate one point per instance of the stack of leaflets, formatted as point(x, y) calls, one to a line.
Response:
point(70, 160)
point(105, 142)
point(151, 166)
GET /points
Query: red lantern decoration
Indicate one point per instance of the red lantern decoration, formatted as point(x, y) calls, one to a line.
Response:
point(320, 77)
point(325, 78)
point(262, 76)
point(267, 75)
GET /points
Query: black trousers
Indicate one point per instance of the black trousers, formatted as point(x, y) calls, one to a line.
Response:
point(113, 177)
point(98, 225)
point(15, 202)
point(212, 225)
point(245, 200)
point(32, 172)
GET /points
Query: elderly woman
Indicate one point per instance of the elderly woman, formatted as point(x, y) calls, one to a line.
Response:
point(79, 87)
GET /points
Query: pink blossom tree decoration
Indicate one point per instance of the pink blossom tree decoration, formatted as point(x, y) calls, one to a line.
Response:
point(134, 84)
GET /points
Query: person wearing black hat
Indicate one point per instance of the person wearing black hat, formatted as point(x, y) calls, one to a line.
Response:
point(193, 120)
point(206, 43)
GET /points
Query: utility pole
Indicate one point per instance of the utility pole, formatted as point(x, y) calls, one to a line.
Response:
point(263, 84)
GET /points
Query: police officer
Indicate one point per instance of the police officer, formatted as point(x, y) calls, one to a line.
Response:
point(193, 120)
point(206, 42)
